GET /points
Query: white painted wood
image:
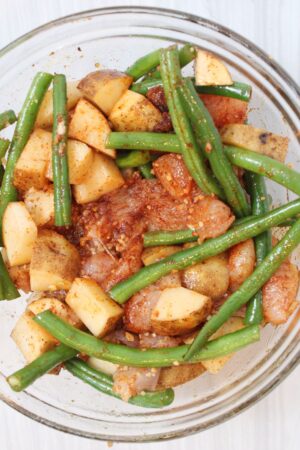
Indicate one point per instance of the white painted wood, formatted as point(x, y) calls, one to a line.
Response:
point(273, 423)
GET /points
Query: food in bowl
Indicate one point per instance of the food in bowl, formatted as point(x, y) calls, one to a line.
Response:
point(137, 215)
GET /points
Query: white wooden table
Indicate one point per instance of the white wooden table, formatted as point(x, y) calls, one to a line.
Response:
point(273, 423)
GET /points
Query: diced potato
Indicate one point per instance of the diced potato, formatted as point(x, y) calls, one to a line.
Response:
point(20, 277)
point(58, 308)
point(178, 311)
point(31, 338)
point(256, 139)
point(103, 176)
point(153, 254)
point(134, 112)
point(210, 70)
point(54, 263)
point(30, 170)
point(174, 376)
point(209, 277)
point(93, 306)
point(19, 234)
point(80, 159)
point(105, 87)
point(40, 204)
point(216, 364)
point(90, 126)
point(45, 115)
point(104, 366)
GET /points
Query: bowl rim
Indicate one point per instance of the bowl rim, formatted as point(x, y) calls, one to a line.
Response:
point(177, 14)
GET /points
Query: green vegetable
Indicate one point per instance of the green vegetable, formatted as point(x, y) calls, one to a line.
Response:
point(9, 291)
point(263, 242)
point(104, 383)
point(147, 275)
point(146, 65)
point(4, 144)
point(19, 380)
point(186, 54)
point(62, 190)
point(143, 140)
point(23, 129)
point(210, 142)
point(145, 170)
point(248, 289)
point(240, 91)
point(7, 118)
point(194, 161)
point(128, 356)
point(263, 165)
point(154, 238)
point(133, 159)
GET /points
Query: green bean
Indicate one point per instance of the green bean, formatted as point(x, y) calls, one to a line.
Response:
point(147, 275)
point(123, 355)
point(194, 161)
point(143, 140)
point(186, 54)
point(19, 380)
point(155, 238)
point(210, 142)
point(249, 288)
point(146, 170)
point(62, 190)
point(4, 144)
point(240, 91)
point(7, 118)
point(146, 65)
point(104, 383)
point(22, 131)
point(263, 165)
point(132, 159)
point(9, 291)
point(263, 242)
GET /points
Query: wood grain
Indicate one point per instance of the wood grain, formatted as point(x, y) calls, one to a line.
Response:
point(273, 423)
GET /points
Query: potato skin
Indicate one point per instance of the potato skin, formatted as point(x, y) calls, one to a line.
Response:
point(134, 112)
point(54, 263)
point(174, 376)
point(104, 88)
point(256, 139)
point(209, 277)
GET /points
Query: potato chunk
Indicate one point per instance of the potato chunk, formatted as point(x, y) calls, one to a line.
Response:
point(104, 366)
point(93, 306)
point(90, 126)
point(210, 70)
point(209, 277)
point(57, 307)
point(256, 139)
point(174, 376)
point(134, 112)
point(19, 234)
point(104, 88)
point(216, 364)
point(80, 159)
point(30, 170)
point(31, 338)
point(40, 204)
point(103, 176)
point(178, 311)
point(54, 263)
point(45, 116)
point(153, 254)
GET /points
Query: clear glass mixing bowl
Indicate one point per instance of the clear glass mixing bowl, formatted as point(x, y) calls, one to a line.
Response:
point(114, 38)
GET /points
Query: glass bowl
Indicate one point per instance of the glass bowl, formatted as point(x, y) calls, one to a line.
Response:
point(114, 38)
